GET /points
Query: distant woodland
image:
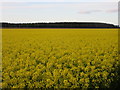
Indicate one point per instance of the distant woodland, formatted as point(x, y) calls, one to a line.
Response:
point(58, 25)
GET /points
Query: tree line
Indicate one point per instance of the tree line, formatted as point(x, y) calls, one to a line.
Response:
point(58, 25)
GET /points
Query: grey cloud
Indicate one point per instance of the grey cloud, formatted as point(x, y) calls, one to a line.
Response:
point(112, 10)
point(89, 11)
point(96, 11)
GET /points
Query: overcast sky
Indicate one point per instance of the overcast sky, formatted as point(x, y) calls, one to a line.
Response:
point(59, 10)
point(59, 0)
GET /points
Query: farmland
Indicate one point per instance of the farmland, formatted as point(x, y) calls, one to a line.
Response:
point(59, 58)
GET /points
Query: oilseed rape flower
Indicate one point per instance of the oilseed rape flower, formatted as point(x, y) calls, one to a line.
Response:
point(60, 58)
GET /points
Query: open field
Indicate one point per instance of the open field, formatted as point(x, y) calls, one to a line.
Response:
point(59, 58)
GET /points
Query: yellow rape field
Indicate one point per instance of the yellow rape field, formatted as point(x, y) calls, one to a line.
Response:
point(59, 58)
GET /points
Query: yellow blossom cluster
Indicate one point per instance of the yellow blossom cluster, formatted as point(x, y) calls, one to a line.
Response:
point(59, 58)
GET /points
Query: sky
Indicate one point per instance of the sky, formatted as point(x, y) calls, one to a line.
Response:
point(25, 11)
point(59, 0)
